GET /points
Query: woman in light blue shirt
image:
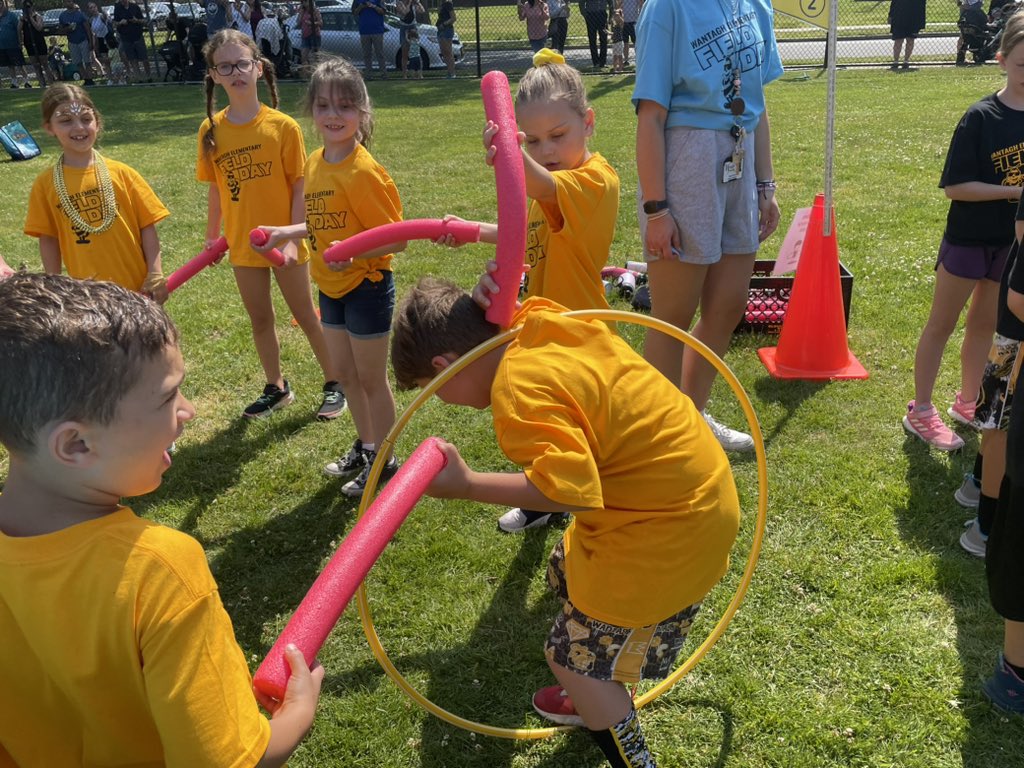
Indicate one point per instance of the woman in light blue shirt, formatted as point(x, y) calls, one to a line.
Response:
point(707, 191)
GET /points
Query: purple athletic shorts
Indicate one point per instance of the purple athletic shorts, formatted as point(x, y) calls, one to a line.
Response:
point(973, 262)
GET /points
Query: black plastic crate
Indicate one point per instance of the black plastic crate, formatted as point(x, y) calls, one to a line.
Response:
point(769, 297)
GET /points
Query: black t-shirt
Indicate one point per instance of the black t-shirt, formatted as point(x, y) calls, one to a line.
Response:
point(1008, 325)
point(130, 33)
point(1014, 278)
point(987, 146)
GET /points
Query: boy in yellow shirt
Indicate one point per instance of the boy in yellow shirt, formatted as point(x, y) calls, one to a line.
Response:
point(601, 433)
point(116, 648)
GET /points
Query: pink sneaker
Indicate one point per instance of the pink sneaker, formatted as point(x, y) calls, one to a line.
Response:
point(928, 425)
point(553, 703)
point(962, 410)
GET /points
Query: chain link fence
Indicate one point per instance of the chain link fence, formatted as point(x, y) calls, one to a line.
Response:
point(492, 35)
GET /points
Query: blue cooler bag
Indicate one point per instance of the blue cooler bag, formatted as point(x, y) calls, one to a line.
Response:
point(18, 141)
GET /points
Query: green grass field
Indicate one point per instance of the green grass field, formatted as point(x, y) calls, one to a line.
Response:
point(866, 632)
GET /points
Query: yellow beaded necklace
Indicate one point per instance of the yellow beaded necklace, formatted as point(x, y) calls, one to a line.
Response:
point(108, 203)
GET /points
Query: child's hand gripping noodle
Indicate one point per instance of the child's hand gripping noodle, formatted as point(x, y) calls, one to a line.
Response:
point(205, 258)
point(459, 232)
point(260, 237)
point(323, 605)
point(511, 184)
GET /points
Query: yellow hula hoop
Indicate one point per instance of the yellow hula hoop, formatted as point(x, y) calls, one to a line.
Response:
point(755, 548)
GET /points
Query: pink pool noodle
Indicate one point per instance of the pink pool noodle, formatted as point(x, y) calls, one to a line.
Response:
point(196, 264)
point(259, 237)
point(511, 183)
point(397, 231)
point(325, 601)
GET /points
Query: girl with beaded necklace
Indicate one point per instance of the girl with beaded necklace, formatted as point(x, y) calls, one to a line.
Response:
point(94, 216)
point(252, 156)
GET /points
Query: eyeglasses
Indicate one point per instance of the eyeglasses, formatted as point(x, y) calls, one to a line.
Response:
point(225, 69)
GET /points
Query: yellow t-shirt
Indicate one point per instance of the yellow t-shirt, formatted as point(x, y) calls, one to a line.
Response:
point(567, 242)
point(117, 651)
point(254, 166)
point(615, 437)
point(344, 199)
point(115, 255)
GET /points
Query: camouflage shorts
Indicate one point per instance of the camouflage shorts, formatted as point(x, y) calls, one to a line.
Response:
point(607, 652)
point(992, 411)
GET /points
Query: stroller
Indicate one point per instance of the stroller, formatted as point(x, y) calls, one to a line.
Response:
point(980, 35)
point(173, 54)
point(60, 65)
point(196, 39)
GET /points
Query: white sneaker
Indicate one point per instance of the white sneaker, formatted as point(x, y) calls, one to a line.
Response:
point(973, 540)
point(968, 494)
point(729, 439)
point(517, 520)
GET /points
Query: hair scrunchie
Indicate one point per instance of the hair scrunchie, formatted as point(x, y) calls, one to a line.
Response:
point(546, 56)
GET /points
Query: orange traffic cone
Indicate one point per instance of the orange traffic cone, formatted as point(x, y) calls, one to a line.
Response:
point(812, 344)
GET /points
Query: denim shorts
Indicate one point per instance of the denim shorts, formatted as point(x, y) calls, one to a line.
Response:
point(365, 311)
point(608, 652)
point(973, 262)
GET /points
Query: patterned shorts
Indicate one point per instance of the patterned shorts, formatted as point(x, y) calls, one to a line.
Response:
point(607, 652)
point(995, 398)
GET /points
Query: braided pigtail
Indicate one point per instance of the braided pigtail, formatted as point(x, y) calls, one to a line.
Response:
point(209, 141)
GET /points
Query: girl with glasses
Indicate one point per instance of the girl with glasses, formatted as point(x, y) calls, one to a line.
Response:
point(252, 157)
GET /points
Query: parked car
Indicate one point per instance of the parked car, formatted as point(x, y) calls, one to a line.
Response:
point(340, 36)
point(190, 10)
point(51, 21)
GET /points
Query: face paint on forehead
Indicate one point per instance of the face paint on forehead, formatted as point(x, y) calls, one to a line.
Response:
point(73, 108)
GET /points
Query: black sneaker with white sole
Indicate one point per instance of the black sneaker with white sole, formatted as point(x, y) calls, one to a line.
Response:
point(357, 486)
point(350, 463)
point(273, 398)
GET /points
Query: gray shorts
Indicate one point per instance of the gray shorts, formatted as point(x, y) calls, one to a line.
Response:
point(81, 53)
point(713, 216)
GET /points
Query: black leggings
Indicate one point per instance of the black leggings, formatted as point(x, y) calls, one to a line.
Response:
point(597, 24)
point(558, 29)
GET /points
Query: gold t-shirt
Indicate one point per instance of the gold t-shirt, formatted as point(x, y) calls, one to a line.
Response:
point(344, 199)
point(567, 242)
point(117, 651)
point(115, 255)
point(594, 425)
point(255, 166)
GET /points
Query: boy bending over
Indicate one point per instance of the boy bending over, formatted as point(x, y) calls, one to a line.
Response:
point(116, 648)
point(601, 433)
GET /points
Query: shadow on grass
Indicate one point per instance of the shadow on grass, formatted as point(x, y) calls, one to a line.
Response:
point(788, 395)
point(265, 571)
point(932, 522)
point(227, 452)
point(493, 675)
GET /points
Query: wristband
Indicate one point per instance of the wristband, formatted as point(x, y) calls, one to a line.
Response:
point(654, 206)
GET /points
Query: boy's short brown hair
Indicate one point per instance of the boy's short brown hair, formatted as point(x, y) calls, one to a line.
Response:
point(435, 318)
point(70, 350)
